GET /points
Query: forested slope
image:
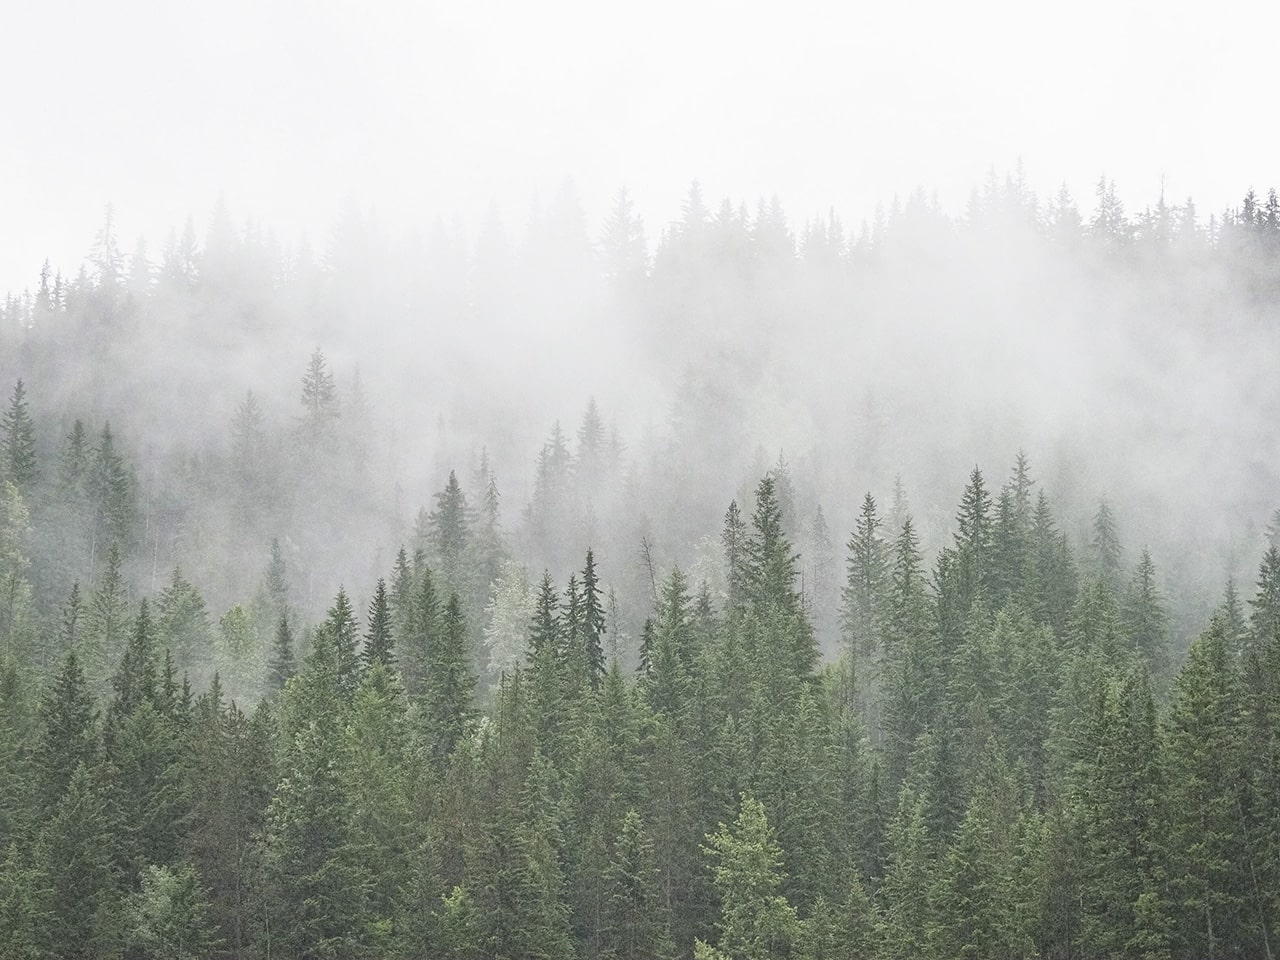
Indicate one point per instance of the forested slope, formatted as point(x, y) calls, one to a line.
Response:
point(257, 701)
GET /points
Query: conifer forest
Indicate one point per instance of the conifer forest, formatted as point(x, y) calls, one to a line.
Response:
point(750, 589)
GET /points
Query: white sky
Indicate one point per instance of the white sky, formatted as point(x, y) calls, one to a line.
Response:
point(288, 107)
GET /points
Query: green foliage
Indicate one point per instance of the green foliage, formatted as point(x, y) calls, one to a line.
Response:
point(167, 918)
point(18, 461)
point(756, 923)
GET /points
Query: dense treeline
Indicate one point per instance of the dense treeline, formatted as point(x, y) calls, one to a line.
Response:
point(1003, 762)
point(735, 337)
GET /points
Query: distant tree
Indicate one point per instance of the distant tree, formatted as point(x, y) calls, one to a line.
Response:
point(18, 443)
point(379, 641)
point(863, 596)
point(622, 242)
point(593, 622)
point(1106, 545)
point(448, 525)
point(111, 495)
point(320, 408)
point(281, 666)
point(1145, 618)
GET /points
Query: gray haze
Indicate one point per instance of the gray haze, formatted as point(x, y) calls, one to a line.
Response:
point(288, 108)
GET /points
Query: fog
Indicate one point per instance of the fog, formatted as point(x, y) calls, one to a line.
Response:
point(877, 247)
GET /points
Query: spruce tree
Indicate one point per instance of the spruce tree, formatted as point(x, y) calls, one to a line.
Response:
point(76, 848)
point(863, 596)
point(18, 461)
point(68, 737)
point(593, 622)
point(379, 640)
point(447, 703)
point(756, 922)
point(282, 664)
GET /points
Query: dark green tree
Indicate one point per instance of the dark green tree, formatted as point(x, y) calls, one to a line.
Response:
point(379, 640)
point(18, 462)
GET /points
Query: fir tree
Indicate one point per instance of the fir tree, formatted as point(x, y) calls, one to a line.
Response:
point(593, 622)
point(18, 443)
point(379, 641)
point(281, 667)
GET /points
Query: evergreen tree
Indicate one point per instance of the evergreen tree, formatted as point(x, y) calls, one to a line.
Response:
point(447, 704)
point(734, 541)
point(770, 563)
point(1106, 545)
point(379, 641)
point(68, 738)
point(76, 855)
point(756, 922)
point(633, 925)
point(18, 461)
point(320, 408)
point(1144, 617)
point(862, 614)
point(1208, 873)
point(336, 642)
point(111, 495)
point(282, 665)
point(449, 530)
point(318, 887)
point(168, 917)
point(593, 622)
point(974, 543)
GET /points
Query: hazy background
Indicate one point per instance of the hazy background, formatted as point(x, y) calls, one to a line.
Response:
point(290, 109)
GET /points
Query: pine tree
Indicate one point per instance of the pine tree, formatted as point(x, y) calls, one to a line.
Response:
point(734, 542)
point(282, 665)
point(1208, 871)
point(863, 596)
point(317, 883)
point(447, 703)
point(68, 736)
point(1106, 545)
point(1145, 619)
point(415, 648)
point(379, 641)
point(135, 680)
point(168, 917)
point(76, 855)
point(974, 543)
point(449, 530)
point(336, 642)
point(320, 409)
point(111, 495)
point(18, 461)
point(593, 622)
point(770, 563)
point(182, 624)
point(1265, 617)
point(633, 927)
point(756, 922)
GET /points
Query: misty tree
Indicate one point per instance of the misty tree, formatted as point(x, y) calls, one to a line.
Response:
point(1106, 545)
point(622, 242)
point(320, 408)
point(112, 496)
point(18, 442)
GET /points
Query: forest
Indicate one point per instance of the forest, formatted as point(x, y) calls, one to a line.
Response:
point(904, 593)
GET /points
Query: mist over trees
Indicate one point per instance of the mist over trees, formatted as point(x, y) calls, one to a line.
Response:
point(772, 590)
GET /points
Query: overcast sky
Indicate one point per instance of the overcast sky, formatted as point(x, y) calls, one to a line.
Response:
point(288, 107)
